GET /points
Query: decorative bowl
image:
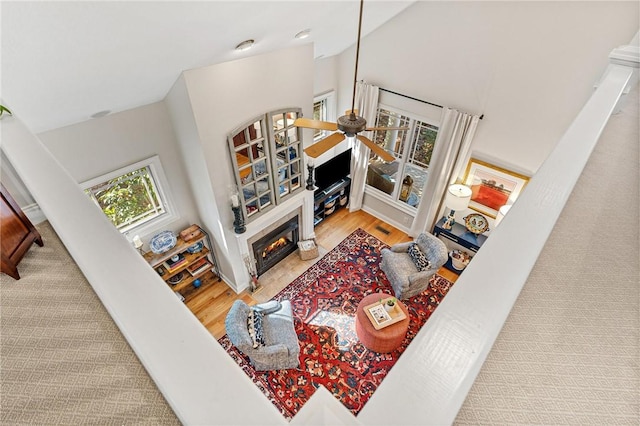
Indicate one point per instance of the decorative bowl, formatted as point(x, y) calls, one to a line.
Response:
point(196, 248)
point(176, 278)
point(163, 242)
point(476, 223)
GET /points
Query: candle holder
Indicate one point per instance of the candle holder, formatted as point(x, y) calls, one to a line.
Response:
point(138, 244)
point(238, 222)
point(310, 182)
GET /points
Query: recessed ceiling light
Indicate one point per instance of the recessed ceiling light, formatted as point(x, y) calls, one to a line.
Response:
point(101, 113)
point(245, 45)
point(303, 34)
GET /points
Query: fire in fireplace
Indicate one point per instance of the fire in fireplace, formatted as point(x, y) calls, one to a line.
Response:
point(276, 245)
point(273, 248)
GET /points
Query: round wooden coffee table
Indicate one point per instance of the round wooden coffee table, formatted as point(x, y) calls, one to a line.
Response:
point(386, 339)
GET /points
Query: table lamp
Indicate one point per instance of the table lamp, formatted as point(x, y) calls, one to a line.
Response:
point(457, 198)
point(502, 212)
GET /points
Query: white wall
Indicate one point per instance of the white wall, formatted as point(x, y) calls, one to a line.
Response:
point(528, 66)
point(325, 75)
point(179, 107)
point(95, 147)
point(221, 98)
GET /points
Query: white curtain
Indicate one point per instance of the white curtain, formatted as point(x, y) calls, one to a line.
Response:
point(367, 105)
point(448, 161)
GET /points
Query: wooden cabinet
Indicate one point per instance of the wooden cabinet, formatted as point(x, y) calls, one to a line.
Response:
point(327, 201)
point(17, 233)
point(197, 261)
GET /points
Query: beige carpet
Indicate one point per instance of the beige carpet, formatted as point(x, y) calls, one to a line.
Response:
point(569, 351)
point(62, 359)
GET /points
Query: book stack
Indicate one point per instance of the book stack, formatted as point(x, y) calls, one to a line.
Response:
point(173, 265)
point(199, 266)
point(379, 314)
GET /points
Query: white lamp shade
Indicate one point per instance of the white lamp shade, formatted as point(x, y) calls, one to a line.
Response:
point(458, 197)
point(137, 242)
point(502, 212)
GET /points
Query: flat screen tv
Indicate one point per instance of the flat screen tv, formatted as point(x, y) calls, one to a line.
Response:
point(330, 172)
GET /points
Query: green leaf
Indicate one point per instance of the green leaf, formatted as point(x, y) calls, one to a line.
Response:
point(3, 109)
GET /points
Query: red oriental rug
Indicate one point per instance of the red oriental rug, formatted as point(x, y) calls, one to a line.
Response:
point(324, 301)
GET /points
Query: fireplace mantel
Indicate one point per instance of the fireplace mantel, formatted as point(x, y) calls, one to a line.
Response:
point(300, 204)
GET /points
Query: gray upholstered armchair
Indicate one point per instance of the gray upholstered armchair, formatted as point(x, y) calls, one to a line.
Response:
point(401, 270)
point(279, 348)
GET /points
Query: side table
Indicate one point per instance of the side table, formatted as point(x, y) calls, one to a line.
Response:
point(386, 339)
point(458, 237)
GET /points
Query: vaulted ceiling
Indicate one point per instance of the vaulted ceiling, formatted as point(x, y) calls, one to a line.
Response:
point(64, 61)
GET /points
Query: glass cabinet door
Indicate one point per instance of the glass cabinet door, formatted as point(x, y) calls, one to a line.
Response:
point(286, 146)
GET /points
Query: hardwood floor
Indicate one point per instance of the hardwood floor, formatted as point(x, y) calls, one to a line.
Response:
point(212, 304)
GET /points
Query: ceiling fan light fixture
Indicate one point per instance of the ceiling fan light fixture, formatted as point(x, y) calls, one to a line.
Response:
point(349, 125)
point(303, 34)
point(245, 45)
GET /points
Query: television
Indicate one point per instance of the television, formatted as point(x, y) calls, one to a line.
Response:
point(334, 170)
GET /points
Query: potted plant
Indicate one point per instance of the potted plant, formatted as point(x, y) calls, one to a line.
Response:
point(390, 304)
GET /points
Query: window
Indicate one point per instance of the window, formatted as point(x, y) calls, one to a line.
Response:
point(133, 197)
point(324, 109)
point(402, 179)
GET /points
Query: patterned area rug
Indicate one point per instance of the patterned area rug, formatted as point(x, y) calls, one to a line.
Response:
point(324, 301)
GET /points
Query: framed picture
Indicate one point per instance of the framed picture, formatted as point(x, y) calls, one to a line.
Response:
point(492, 187)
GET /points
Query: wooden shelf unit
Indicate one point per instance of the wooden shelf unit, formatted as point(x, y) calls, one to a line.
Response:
point(327, 201)
point(185, 286)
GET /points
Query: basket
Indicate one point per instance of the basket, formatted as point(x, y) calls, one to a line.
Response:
point(308, 249)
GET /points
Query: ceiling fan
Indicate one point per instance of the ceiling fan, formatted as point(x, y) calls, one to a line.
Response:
point(349, 124)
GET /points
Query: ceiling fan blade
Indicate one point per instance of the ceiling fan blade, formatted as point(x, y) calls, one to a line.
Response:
point(386, 128)
point(376, 149)
point(317, 149)
point(315, 124)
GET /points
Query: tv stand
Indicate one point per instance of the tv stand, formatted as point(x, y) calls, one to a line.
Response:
point(327, 201)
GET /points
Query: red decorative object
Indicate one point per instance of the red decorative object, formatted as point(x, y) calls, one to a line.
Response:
point(324, 301)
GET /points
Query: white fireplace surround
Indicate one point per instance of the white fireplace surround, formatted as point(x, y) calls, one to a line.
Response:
point(300, 204)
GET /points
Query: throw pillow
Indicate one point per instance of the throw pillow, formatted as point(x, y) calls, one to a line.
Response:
point(418, 257)
point(254, 326)
point(268, 308)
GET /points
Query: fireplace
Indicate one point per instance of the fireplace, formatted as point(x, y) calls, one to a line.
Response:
point(276, 245)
